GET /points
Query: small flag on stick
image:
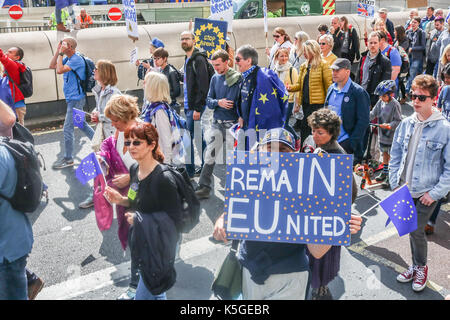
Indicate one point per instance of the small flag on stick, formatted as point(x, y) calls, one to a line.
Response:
point(78, 118)
point(88, 169)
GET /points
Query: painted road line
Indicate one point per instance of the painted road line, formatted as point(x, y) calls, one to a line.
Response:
point(360, 248)
point(78, 286)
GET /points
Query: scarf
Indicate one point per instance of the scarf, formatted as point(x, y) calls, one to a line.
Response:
point(282, 70)
point(231, 77)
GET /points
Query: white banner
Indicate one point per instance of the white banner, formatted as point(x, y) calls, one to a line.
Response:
point(266, 27)
point(222, 10)
point(129, 11)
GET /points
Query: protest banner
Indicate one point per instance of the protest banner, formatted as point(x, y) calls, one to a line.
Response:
point(288, 197)
point(129, 11)
point(134, 55)
point(210, 35)
point(222, 10)
point(366, 8)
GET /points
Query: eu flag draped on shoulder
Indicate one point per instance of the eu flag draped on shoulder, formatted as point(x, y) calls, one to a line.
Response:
point(269, 103)
point(401, 210)
point(88, 169)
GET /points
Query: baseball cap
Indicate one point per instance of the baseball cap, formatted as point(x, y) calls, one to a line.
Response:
point(341, 63)
point(278, 135)
point(383, 10)
point(157, 43)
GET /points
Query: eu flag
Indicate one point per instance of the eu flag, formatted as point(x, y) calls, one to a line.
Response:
point(400, 208)
point(270, 101)
point(78, 118)
point(88, 169)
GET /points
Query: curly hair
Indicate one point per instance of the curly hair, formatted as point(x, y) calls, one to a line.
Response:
point(426, 82)
point(122, 106)
point(326, 119)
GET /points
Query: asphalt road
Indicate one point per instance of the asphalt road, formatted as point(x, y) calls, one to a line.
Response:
point(77, 261)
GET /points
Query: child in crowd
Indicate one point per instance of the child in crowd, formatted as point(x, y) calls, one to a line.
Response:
point(388, 112)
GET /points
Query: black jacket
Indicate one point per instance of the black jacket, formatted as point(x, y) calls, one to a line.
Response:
point(174, 82)
point(153, 245)
point(197, 80)
point(353, 45)
point(381, 70)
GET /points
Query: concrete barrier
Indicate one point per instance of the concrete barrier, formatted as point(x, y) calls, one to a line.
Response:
point(112, 43)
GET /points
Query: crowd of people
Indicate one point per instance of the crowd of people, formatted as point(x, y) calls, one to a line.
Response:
point(330, 92)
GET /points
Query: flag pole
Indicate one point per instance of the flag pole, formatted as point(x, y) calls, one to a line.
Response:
point(376, 204)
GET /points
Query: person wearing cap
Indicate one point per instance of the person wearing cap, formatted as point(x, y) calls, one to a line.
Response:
point(145, 65)
point(275, 270)
point(352, 103)
point(382, 13)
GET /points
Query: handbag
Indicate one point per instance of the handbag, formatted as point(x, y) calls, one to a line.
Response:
point(227, 284)
point(98, 137)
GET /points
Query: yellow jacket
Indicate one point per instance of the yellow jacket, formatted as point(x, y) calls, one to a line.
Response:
point(319, 81)
point(330, 59)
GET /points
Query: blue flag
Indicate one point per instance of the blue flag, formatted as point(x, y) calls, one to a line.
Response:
point(88, 169)
point(400, 208)
point(270, 102)
point(78, 118)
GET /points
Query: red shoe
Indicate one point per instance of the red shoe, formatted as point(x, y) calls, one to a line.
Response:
point(420, 278)
point(408, 275)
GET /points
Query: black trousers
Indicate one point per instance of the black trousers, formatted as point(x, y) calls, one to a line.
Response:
point(305, 130)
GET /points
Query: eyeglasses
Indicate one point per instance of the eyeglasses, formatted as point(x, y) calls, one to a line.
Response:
point(323, 43)
point(276, 35)
point(237, 59)
point(134, 142)
point(421, 97)
point(186, 39)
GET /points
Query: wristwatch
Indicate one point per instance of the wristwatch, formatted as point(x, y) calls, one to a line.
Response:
point(61, 54)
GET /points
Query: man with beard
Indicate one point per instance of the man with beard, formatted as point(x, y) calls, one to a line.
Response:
point(196, 85)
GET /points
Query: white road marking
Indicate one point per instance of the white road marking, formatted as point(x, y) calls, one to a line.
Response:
point(78, 286)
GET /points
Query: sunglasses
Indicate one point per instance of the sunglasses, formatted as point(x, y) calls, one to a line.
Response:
point(135, 143)
point(276, 36)
point(421, 97)
point(323, 43)
point(237, 59)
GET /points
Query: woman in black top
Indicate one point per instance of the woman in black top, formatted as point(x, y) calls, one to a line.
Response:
point(152, 189)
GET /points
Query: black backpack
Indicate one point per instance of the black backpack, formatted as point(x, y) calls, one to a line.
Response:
point(29, 188)
point(89, 67)
point(190, 215)
point(26, 82)
point(210, 67)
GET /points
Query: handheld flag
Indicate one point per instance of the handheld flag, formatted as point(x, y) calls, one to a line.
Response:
point(266, 25)
point(400, 208)
point(78, 118)
point(270, 101)
point(88, 169)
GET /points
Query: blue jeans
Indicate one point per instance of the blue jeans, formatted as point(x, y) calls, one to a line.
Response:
point(416, 68)
point(13, 280)
point(142, 293)
point(68, 126)
point(190, 167)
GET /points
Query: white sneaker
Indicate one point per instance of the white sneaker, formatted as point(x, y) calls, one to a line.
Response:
point(128, 295)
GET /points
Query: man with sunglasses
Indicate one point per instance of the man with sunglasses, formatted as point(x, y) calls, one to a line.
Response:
point(420, 157)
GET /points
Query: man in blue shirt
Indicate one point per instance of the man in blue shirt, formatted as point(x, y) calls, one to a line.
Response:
point(352, 103)
point(72, 68)
point(222, 98)
point(16, 235)
point(392, 54)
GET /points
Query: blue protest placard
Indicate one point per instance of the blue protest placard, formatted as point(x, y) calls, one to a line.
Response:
point(366, 8)
point(210, 35)
point(288, 197)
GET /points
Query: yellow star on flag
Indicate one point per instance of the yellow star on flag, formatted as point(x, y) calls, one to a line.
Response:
point(256, 112)
point(216, 30)
point(221, 41)
point(274, 92)
point(285, 97)
point(210, 26)
point(220, 35)
point(197, 39)
point(263, 98)
point(198, 32)
point(218, 47)
point(203, 27)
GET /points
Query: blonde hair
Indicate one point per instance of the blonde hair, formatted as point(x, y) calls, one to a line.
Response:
point(123, 107)
point(312, 48)
point(301, 36)
point(380, 23)
point(444, 59)
point(156, 87)
point(107, 72)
